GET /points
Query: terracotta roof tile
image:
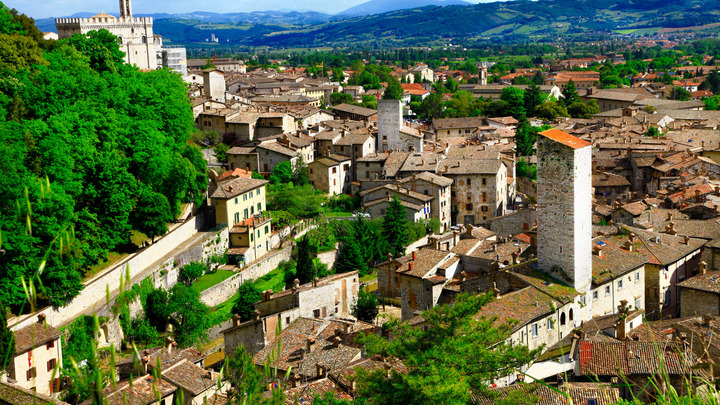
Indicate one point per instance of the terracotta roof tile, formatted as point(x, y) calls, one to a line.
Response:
point(34, 335)
point(630, 358)
point(565, 138)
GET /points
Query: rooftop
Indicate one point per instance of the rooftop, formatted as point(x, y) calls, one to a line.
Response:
point(236, 187)
point(565, 138)
point(34, 335)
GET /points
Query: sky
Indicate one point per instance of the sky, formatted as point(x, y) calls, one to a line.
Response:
point(64, 8)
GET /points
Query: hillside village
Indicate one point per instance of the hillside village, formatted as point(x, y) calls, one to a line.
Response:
point(595, 238)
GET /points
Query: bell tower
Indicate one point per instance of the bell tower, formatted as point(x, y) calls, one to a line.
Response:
point(125, 9)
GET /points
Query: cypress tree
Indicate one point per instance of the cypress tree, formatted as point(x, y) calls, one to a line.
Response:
point(394, 228)
point(304, 270)
point(350, 256)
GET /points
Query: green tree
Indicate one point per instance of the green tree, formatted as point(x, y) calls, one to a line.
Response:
point(394, 90)
point(350, 256)
point(652, 131)
point(712, 82)
point(300, 174)
point(340, 98)
point(550, 110)
point(191, 272)
point(337, 75)
point(569, 92)
point(515, 99)
point(365, 308)
point(249, 382)
point(431, 107)
point(7, 340)
point(282, 173)
point(221, 152)
point(188, 314)
point(248, 295)
point(156, 308)
point(538, 78)
point(680, 94)
point(394, 228)
point(102, 48)
point(304, 270)
point(579, 109)
point(451, 356)
point(151, 214)
point(532, 98)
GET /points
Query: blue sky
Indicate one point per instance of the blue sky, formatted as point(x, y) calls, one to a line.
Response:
point(60, 8)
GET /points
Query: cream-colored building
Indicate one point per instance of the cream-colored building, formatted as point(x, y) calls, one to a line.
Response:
point(240, 203)
point(331, 174)
point(37, 361)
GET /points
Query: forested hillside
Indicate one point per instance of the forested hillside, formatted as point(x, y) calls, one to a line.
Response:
point(90, 150)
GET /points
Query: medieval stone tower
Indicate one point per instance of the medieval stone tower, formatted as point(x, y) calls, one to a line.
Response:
point(390, 122)
point(564, 190)
point(135, 34)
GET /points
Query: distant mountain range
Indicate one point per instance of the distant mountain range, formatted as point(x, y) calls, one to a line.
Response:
point(384, 6)
point(518, 20)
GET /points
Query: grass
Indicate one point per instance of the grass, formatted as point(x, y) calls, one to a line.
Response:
point(329, 214)
point(223, 312)
point(368, 277)
point(211, 279)
point(275, 280)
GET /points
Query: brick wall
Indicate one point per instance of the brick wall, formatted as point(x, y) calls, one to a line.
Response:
point(698, 303)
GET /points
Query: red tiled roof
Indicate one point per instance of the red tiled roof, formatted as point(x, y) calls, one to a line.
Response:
point(565, 138)
point(631, 358)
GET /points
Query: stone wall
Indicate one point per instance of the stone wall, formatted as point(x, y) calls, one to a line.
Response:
point(527, 187)
point(328, 257)
point(514, 223)
point(698, 303)
point(220, 293)
point(94, 297)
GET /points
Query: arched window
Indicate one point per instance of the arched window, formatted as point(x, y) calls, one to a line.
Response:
point(562, 318)
point(120, 39)
point(571, 314)
point(144, 39)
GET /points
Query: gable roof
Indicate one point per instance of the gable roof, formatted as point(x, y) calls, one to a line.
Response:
point(631, 358)
point(565, 138)
point(236, 187)
point(15, 395)
point(34, 335)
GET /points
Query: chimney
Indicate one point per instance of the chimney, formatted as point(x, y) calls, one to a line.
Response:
point(514, 258)
point(414, 255)
point(597, 249)
point(315, 282)
point(620, 330)
point(236, 320)
point(411, 266)
point(309, 345)
point(294, 378)
point(495, 291)
point(320, 369)
point(628, 246)
point(669, 216)
point(346, 328)
point(686, 240)
point(41, 319)
point(256, 315)
point(702, 266)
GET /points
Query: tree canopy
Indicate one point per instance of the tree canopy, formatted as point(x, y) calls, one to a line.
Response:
point(86, 157)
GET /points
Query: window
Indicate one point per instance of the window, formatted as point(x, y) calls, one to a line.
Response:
point(316, 313)
point(346, 167)
point(54, 385)
point(259, 207)
point(637, 276)
point(469, 181)
point(287, 320)
point(469, 207)
point(570, 314)
point(236, 200)
point(535, 330)
point(49, 345)
point(252, 236)
point(51, 364)
point(484, 181)
point(595, 295)
point(484, 208)
point(257, 192)
point(30, 374)
point(245, 196)
point(258, 233)
point(562, 318)
point(620, 284)
point(667, 298)
point(252, 210)
point(637, 303)
point(607, 290)
point(397, 280)
point(334, 170)
point(246, 214)
point(266, 230)
point(237, 218)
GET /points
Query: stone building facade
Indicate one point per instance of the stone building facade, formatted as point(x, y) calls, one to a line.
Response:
point(37, 360)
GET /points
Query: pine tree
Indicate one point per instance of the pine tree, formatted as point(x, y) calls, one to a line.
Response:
point(304, 270)
point(570, 93)
point(533, 98)
point(350, 256)
point(7, 342)
point(394, 228)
